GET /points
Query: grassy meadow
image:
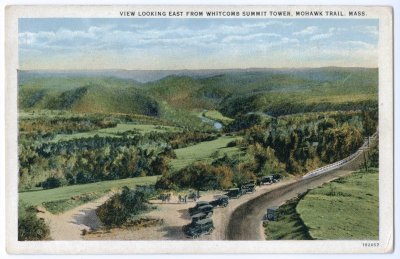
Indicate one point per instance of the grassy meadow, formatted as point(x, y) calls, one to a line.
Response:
point(64, 193)
point(205, 151)
point(344, 209)
point(347, 208)
point(217, 116)
point(289, 225)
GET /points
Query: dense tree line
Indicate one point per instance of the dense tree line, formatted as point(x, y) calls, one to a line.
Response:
point(92, 159)
point(289, 103)
point(199, 176)
point(293, 144)
point(49, 127)
point(304, 144)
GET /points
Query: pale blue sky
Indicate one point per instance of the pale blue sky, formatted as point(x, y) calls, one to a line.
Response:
point(196, 43)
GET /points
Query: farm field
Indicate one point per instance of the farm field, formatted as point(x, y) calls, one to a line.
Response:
point(346, 208)
point(113, 132)
point(40, 196)
point(203, 152)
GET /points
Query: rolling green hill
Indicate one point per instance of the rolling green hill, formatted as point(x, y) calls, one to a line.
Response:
point(179, 92)
point(106, 97)
point(234, 92)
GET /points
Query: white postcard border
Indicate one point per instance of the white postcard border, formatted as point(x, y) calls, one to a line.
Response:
point(98, 247)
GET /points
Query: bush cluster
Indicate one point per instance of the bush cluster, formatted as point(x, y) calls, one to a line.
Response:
point(30, 228)
point(121, 207)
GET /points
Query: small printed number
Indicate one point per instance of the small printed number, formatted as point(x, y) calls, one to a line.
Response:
point(370, 244)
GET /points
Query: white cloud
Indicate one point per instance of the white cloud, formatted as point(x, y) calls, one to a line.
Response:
point(321, 36)
point(243, 38)
point(337, 29)
point(289, 40)
point(256, 43)
point(359, 45)
point(371, 30)
point(267, 24)
point(307, 31)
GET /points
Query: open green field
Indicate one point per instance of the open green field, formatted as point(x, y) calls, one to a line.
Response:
point(60, 206)
point(217, 116)
point(120, 128)
point(203, 152)
point(67, 192)
point(289, 225)
point(347, 208)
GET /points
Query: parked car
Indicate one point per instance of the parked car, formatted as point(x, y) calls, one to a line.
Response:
point(207, 209)
point(221, 201)
point(276, 177)
point(199, 228)
point(248, 188)
point(234, 193)
point(266, 180)
point(199, 216)
point(198, 204)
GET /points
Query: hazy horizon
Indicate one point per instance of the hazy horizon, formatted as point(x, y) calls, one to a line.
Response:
point(145, 76)
point(195, 69)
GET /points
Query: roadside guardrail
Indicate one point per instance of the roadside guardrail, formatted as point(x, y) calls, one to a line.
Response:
point(340, 163)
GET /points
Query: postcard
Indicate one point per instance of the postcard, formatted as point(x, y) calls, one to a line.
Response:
point(199, 129)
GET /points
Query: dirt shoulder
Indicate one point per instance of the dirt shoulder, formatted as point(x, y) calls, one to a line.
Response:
point(69, 225)
point(175, 215)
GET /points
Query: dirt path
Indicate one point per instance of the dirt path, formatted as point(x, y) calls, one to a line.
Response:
point(173, 213)
point(69, 225)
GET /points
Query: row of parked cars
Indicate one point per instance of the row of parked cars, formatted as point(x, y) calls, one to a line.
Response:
point(202, 216)
point(202, 213)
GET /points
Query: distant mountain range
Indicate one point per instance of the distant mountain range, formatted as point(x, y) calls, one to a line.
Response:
point(145, 76)
point(232, 91)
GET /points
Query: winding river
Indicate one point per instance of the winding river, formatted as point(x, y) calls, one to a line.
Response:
point(217, 125)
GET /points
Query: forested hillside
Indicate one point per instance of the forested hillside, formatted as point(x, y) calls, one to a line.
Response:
point(77, 129)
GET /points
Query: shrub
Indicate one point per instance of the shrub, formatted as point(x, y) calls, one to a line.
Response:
point(121, 207)
point(199, 176)
point(83, 178)
point(30, 228)
point(52, 182)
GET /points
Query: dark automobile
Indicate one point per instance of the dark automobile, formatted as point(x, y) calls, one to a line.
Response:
point(248, 188)
point(199, 228)
point(199, 216)
point(266, 180)
point(221, 201)
point(276, 177)
point(207, 209)
point(198, 204)
point(234, 193)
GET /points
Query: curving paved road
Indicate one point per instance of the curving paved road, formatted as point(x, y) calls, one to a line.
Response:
point(246, 221)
